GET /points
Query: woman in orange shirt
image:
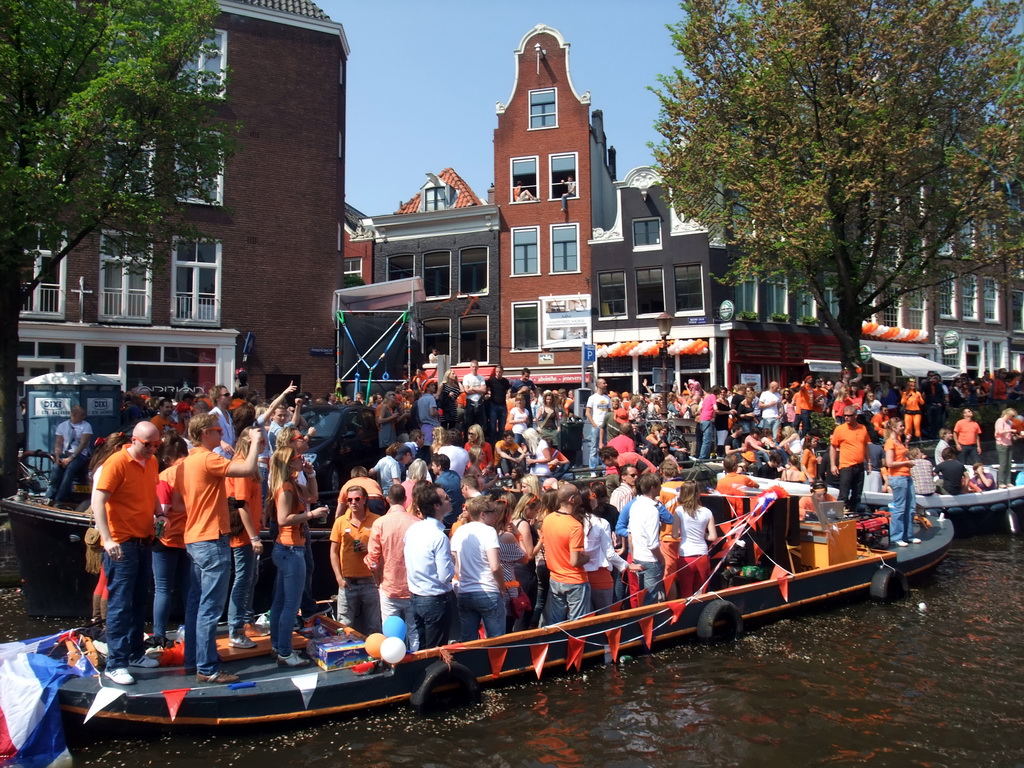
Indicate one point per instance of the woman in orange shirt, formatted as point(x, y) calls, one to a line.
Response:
point(901, 484)
point(912, 402)
point(289, 553)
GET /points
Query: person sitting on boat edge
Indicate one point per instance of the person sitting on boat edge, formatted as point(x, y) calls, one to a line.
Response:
point(733, 483)
point(922, 472)
point(819, 494)
point(565, 553)
point(952, 473)
point(124, 501)
point(983, 479)
point(430, 567)
point(358, 599)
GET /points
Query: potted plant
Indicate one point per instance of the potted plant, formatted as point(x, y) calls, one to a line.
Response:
point(808, 320)
point(778, 317)
point(746, 315)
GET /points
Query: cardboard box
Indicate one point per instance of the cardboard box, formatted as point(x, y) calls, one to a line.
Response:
point(339, 652)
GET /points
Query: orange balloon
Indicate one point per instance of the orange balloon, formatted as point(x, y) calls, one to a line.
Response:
point(373, 643)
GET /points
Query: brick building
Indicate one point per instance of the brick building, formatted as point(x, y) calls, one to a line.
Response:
point(274, 254)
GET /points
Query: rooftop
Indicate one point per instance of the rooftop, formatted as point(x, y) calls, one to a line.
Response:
point(298, 7)
point(464, 199)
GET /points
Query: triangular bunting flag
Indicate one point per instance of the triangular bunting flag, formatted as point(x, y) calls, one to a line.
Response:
point(306, 685)
point(639, 598)
point(173, 698)
point(574, 653)
point(614, 635)
point(725, 526)
point(539, 653)
point(677, 609)
point(647, 627)
point(497, 659)
point(104, 696)
point(757, 553)
point(615, 607)
point(782, 577)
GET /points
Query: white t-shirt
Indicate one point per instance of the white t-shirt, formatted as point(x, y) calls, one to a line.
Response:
point(459, 458)
point(73, 434)
point(769, 402)
point(644, 528)
point(469, 381)
point(695, 530)
point(541, 470)
point(599, 406)
point(470, 543)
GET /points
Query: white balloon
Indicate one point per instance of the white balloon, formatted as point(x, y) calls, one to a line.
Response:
point(392, 650)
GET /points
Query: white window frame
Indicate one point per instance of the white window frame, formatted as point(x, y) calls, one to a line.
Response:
point(973, 317)
point(654, 247)
point(439, 201)
point(41, 291)
point(448, 334)
point(954, 298)
point(675, 293)
point(551, 244)
point(907, 308)
point(511, 178)
point(536, 233)
point(195, 297)
point(529, 109)
point(773, 285)
point(985, 300)
point(757, 298)
point(625, 295)
point(487, 270)
point(575, 174)
point(516, 305)
point(218, 196)
point(487, 336)
point(125, 292)
point(148, 153)
point(439, 296)
point(349, 263)
point(1019, 327)
point(200, 63)
point(636, 290)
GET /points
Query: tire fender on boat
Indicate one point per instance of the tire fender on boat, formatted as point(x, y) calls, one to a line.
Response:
point(439, 674)
point(719, 612)
point(1017, 504)
point(888, 585)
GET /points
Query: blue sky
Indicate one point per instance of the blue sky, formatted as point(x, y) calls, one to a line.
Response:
point(423, 79)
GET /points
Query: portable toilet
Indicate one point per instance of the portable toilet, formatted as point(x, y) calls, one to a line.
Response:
point(49, 399)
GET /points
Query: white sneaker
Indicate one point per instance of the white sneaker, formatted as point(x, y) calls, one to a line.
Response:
point(241, 641)
point(121, 676)
point(146, 662)
point(915, 540)
point(292, 660)
point(902, 544)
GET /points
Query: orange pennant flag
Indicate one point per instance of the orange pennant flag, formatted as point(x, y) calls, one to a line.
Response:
point(539, 653)
point(647, 627)
point(638, 599)
point(614, 635)
point(782, 577)
point(173, 698)
point(677, 609)
point(497, 658)
point(574, 653)
point(725, 526)
point(757, 553)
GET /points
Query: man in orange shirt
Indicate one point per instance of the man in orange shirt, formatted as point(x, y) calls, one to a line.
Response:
point(851, 439)
point(125, 504)
point(164, 419)
point(733, 483)
point(358, 599)
point(564, 545)
point(207, 530)
point(966, 433)
point(803, 404)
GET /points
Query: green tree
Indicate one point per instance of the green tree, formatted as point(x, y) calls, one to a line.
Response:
point(108, 119)
point(859, 148)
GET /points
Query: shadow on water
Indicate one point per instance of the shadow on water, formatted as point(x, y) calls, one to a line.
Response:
point(861, 683)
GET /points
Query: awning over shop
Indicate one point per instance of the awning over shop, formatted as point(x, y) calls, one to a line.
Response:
point(912, 365)
point(392, 295)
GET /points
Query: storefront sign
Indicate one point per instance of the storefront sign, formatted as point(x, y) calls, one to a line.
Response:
point(753, 379)
point(951, 338)
point(546, 358)
point(321, 351)
point(865, 353)
point(555, 378)
point(566, 321)
point(52, 406)
point(727, 310)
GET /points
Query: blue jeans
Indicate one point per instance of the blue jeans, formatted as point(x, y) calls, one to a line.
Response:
point(211, 564)
point(240, 601)
point(291, 575)
point(566, 602)
point(62, 479)
point(433, 615)
point(773, 425)
point(901, 523)
point(652, 578)
point(593, 460)
point(497, 413)
point(705, 439)
point(475, 607)
point(307, 603)
point(172, 569)
point(128, 580)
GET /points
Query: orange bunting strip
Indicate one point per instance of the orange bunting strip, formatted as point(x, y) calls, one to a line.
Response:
point(638, 599)
point(782, 577)
point(497, 658)
point(647, 627)
point(173, 698)
point(614, 636)
point(539, 653)
point(677, 609)
point(574, 653)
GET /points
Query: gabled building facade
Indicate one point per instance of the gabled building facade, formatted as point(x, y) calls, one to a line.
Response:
point(258, 292)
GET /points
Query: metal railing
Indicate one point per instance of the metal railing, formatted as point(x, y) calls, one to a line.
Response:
point(189, 308)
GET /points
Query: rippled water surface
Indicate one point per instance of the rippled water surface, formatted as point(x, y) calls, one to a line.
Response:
point(861, 683)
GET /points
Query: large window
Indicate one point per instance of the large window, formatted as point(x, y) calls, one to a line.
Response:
point(543, 109)
point(473, 270)
point(563, 176)
point(525, 260)
point(1018, 310)
point(196, 283)
point(775, 294)
point(354, 267)
point(437, 274)
point(525, 326)
point(804, 305)
point(201, 189)
point(437, 335)
point(473, 338)
point(564, 248)
point(746, 296)
point(689, 288)
point(435, 199)
point(212, 60)
point(646, 234)
point(969, 298)
point(832, 301)
point(947, 307)
point(524, 180)
point(124, 280)
point(913, 310)
point(990, 294)
point(48, 298)
point(650, 293)
point(400, 267)
point(611, 287)
point(131, 169)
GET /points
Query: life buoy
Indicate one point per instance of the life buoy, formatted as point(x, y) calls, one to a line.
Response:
point(720, 620)
point(888, 585)
point(440, 674)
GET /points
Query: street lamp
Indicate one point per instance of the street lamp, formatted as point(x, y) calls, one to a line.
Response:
point(664, 326)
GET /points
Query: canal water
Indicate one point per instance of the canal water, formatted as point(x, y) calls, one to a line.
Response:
point(935, 681)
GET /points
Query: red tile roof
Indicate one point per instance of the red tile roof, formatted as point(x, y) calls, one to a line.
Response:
point(465, 198)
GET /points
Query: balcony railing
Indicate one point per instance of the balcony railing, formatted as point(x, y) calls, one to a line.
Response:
point(131, 304)
point(44, 300)
point(203, 309)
